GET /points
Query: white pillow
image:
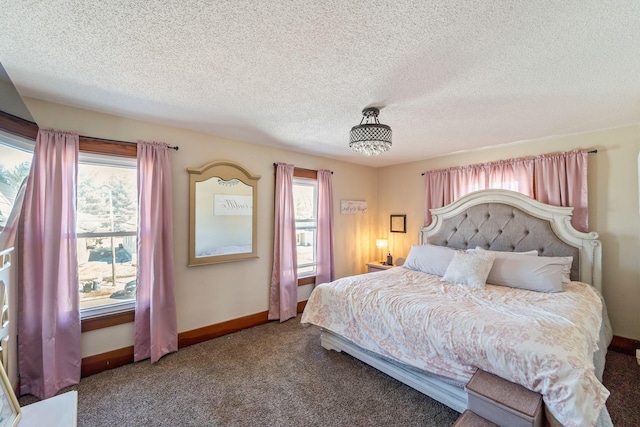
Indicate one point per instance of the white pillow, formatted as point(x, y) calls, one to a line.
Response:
point(497, 272)
point(469, 269)
point(479, 249)
point(540, 274)
point(430, 259)
point(566, 261)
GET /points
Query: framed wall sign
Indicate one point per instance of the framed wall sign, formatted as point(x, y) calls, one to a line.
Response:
point(351, 207)
point(398, 224)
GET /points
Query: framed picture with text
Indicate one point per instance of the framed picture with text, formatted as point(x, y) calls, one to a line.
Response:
point(398, 224)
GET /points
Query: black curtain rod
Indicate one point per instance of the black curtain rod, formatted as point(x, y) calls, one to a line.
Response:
point(174, 147)
point(304, 169)
point(588, 152)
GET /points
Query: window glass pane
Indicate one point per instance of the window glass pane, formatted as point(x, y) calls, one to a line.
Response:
point(107, 199)
point(107, 229)
point(14, 168)
point(305, 203)
point(96, 270)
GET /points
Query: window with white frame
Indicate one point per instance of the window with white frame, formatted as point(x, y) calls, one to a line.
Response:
point(107, 229)
point(305, 201)
point(15, 161)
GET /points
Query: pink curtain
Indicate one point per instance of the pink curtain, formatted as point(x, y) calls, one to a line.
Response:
point(445, 186)
point(283, 297)
point(437, 192)
point(156, 330)
point(514, 175)
point(49, 353)
point(467, 179)
point(561, 180)
point(325, 266)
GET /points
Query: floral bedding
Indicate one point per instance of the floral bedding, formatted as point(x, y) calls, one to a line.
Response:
point(540, 340)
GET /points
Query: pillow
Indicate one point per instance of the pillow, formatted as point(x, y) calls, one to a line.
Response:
point(540, 274)
point(497, 272)
point(479, 249)
point(469, 269)
point(565, 261)
point(430, 259)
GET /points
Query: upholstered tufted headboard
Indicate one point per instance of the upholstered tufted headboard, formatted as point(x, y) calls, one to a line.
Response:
point(503, 220)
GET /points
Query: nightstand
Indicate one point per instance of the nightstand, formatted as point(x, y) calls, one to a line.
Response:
point(376, 266)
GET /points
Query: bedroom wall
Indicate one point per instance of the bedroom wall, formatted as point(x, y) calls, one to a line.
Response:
point(211, 294)
point(613, 207)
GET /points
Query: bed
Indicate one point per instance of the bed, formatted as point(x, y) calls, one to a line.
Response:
point(527, 324)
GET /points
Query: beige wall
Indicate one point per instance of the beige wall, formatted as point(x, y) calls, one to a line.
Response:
point(210, 294)
point(613, 207)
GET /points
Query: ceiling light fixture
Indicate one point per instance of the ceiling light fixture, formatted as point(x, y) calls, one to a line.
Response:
point(370, 138)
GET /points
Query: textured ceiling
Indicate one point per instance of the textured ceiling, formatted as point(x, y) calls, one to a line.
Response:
point(449, 75)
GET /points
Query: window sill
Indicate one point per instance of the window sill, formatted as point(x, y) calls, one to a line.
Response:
point(107, 320)
point(310, 280)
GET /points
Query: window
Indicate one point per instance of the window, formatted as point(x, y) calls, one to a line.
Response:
point(15, 162)
point(107, 230)
point(305, 200)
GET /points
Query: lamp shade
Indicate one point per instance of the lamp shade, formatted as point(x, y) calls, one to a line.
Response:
point(382, 243)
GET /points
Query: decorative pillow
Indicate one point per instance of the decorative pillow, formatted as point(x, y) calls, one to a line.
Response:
point(430, 259)
point(469, 269)
point(540, 274)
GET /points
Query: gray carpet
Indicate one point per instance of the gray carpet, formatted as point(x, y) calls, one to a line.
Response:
point(278, 375)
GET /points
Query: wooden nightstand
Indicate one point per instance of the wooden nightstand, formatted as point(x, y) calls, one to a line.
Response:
point(376, 266)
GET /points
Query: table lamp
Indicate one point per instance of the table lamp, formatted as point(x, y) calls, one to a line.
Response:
point(381, 244)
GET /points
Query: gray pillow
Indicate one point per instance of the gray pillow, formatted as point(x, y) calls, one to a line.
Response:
point(567, 261)
point(430, 259)
point(540, 274)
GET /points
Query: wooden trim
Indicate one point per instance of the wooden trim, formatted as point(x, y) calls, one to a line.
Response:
point(104, 146)
point(107, 321)
point(105, 361)
point(301, 306)
point(311, 280)
point(624, 345)
point(300, 172)
point(199, 335)
point(17, 126)
point(123, 356)
point(27, 129)
point(305, 173)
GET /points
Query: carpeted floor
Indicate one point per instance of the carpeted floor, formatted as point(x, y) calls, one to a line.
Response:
point(279, 375)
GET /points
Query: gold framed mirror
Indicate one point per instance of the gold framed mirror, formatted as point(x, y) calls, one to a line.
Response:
point(223, 220)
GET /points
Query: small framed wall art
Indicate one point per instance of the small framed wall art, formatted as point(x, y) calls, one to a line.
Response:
point(398, 224)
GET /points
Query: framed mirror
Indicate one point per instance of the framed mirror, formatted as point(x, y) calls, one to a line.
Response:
point(223, 199)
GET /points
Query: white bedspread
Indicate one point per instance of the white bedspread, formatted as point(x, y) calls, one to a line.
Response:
point(542, 341)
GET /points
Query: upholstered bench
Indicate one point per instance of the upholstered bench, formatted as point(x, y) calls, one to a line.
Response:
point(471, 419)
point(504, 403)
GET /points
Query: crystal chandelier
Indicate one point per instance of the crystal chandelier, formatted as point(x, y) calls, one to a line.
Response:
point(370, 138)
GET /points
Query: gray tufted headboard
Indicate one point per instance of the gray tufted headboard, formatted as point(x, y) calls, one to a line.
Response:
point(503, 220)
